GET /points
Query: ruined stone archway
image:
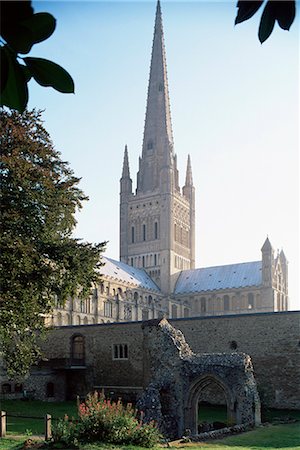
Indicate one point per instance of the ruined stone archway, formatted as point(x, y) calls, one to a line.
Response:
point(172, 369)
point(192, 402)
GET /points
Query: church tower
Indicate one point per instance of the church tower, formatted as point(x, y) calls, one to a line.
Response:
point(157, 223)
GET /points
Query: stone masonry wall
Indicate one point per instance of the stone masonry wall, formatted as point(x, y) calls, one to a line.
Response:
point(271, 339)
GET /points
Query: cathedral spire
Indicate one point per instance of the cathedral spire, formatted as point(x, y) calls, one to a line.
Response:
point(189, 176)
point(157, 151)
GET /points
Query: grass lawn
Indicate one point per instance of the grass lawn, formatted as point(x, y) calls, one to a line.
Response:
point(272, 437)
point(265, 438)
point(36, 409)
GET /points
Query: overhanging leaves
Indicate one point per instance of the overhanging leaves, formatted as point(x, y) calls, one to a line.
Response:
point(15, 92)
point(47, 73)
point(246, 9)
point(281, 11)
point(21, 29)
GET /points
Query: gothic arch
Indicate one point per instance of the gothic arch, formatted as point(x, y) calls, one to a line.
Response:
point(195, 388)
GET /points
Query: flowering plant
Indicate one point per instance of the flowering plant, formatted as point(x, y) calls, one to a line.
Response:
point(100, 419)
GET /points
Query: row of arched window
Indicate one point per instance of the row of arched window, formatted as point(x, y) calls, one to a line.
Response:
point(140, 233)
point(148, 260)
point(175, 309)
point(181, 235)
point(66, 319)
point(202, 303)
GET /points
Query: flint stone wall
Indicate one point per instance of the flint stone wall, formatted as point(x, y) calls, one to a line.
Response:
point(175, 376)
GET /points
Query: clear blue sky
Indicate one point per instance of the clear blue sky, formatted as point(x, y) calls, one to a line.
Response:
point(234, 107)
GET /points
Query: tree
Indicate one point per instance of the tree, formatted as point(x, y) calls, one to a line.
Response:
point(40, 260)
point(20, 30)
point(275, 10)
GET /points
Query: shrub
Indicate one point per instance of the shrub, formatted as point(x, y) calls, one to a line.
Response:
point(106, 421)
point(66, 432)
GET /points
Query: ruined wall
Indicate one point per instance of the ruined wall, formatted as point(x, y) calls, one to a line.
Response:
point(271, 339)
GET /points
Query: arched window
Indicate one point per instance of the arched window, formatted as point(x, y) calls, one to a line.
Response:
point(174, 312)
point(6, 388)
point(68, 320)
point(59, 319)
point(102, 288)
point(155, 230)
point(50, 390)
point(136, 296)
point(144, 232)
point(203, 304)
point(132, 235)
point(250, 301)
point(18, 387)
point(85, 321)
point(155, 260)
point(226, 302)
point(77, 350)
point(107, 290)
point(145, 314)
point(150, 299)
point(186, 312)
point(78, 320)
point(107, 309)
point(143, 261)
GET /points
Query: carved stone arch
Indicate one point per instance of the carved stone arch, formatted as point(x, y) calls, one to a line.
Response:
point(192, 399)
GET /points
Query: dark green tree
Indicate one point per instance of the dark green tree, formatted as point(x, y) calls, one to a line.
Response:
point(41, 262)
point(21, 29)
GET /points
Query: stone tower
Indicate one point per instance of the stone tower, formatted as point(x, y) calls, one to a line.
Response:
point(157, 223)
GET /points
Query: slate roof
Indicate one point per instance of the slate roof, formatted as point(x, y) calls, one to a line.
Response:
point(123, 272)
point(220, 277)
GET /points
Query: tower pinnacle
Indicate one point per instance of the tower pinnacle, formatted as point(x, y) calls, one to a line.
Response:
point(189, 176)
point(125, 172)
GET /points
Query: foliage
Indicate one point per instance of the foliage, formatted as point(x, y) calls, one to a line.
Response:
point(281, 11)
point(40, 261)
point(106, 421)
point(20, 30)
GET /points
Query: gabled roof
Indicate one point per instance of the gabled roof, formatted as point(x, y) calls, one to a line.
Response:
point(128, 274)
point(220, 277)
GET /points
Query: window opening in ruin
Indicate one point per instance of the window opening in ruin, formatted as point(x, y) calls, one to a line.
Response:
point(212, 407)
point(50, 390)
point(6, 388)
point(144, 232)
point(120, 351)
point(77, 350)
point(233, 345)
point(132, 234)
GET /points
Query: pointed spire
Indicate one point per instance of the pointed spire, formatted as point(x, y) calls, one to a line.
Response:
point(158, 137)
point(189, 176)
point(158, 103)
point(125, 172)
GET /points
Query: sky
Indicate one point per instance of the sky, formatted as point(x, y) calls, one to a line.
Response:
point(234, 107)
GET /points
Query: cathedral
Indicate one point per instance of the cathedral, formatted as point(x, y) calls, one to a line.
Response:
point(156, 275)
